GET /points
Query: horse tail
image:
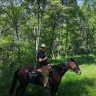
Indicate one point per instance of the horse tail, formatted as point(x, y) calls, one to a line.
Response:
point(11, 90)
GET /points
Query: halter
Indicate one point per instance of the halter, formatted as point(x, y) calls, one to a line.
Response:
point(65, 66)
point(68, 65)
point(74, 67)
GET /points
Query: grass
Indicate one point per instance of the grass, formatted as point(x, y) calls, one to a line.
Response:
point(71, 85)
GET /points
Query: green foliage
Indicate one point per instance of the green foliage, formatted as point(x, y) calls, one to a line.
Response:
point(67, 29)
point(54, 20)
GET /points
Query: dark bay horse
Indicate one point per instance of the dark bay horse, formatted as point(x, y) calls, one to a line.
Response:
point(58, 71)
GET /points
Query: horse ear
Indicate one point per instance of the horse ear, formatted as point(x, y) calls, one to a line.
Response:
point(72, 59)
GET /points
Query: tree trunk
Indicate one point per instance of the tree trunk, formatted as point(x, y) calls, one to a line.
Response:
point(87, 30)
point(66, 40)
point(52, 39)
point(59, 38)
point(38, 30)
point(18, 46)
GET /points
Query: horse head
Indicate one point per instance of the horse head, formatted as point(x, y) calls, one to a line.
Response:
point(72, 64)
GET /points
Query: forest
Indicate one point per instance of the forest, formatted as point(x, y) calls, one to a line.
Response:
point(66, 27)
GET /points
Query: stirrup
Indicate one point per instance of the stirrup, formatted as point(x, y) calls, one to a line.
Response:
point(47, 87)
point(33, 72)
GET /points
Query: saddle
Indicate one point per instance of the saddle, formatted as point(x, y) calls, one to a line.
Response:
point(34, 74)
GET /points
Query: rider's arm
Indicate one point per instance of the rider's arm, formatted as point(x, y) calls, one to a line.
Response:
point(42, 59)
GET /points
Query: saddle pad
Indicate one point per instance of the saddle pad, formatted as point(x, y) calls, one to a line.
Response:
point(32, 77)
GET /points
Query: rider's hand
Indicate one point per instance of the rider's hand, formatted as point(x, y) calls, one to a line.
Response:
point(46, 58)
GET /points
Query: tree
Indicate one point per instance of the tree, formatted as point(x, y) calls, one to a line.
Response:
point(13, 17)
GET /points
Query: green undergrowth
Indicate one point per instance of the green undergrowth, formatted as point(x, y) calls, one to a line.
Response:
point(71, 84)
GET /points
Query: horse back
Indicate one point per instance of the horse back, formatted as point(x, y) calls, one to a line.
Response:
point(23, 73)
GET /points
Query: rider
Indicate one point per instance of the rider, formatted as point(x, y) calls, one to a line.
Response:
point(43, 65)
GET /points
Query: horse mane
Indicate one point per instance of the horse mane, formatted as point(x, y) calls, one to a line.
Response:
point(59, 66)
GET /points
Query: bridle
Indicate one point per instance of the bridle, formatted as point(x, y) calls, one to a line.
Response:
point(71, 65)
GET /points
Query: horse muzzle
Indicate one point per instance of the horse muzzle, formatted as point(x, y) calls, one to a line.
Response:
point(78, 72)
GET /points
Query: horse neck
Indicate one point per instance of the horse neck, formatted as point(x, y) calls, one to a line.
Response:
point(63, 72)
point(64, 68)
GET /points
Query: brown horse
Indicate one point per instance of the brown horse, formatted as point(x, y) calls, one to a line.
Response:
point(58, 71)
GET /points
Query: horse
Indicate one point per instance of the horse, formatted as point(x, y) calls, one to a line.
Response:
point(57, 73)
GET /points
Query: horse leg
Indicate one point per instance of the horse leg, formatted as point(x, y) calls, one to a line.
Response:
point(18, 90)
point(54, 90)
point(23, 88)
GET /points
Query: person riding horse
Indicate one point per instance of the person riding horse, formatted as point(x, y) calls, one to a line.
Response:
point(22, 74)
point(43, 66)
